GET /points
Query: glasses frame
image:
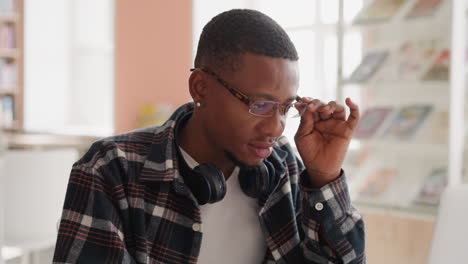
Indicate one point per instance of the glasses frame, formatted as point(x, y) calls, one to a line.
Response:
point(283, 108)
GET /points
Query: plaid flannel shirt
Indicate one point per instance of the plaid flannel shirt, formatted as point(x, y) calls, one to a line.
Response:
point(127, 203)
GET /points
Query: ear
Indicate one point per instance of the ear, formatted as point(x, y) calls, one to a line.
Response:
point(198, 86)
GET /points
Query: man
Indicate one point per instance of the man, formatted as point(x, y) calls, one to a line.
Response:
point(217, 183)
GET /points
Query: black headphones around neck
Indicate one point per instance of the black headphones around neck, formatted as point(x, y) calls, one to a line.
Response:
point(207, 182)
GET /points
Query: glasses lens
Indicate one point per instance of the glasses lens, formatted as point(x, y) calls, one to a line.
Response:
point(262, 108)
point(291, 111)
point(267, 108)
point(294, 112)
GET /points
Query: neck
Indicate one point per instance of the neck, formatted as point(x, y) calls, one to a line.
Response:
point(195, 141)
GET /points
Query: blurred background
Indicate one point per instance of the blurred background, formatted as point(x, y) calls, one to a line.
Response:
point(75, 71)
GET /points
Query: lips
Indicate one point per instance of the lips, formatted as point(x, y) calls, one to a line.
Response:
point(262, 151)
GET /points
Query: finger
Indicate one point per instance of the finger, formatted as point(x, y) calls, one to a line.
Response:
point(353, 117)
point(340, 112)
point(305, 102)
point(306, 99)
point(300, 106)
point(312, 110)
point(302, 103)
point(327, 111)
point(309, 117)
point(318, 102)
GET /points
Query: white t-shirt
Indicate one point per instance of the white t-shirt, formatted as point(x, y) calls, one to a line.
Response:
point(231, 228)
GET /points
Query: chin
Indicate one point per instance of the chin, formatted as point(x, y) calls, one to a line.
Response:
point(242, 162)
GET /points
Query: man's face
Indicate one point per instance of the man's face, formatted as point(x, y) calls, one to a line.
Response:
point(234, 131)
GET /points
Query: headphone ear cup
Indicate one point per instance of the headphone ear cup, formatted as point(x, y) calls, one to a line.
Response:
point(212, 184)
point(256, 180)
point(206, 182)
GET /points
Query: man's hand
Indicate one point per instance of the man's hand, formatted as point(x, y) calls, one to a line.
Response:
point(323, 137)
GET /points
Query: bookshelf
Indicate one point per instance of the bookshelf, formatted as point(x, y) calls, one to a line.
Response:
point(404, 85)
point(11, 65)
point(416, 159)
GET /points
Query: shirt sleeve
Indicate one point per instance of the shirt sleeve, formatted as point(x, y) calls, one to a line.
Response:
point(333, 229)
point(90, 228)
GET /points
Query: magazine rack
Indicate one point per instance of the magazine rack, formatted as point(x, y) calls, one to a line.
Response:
point(404, 153)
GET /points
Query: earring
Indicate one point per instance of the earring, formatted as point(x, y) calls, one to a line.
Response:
point(198, 104)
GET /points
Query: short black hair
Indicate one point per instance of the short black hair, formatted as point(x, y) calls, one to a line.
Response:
point(239, 31)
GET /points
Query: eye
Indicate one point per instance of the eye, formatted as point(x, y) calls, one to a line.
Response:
point(261, 105)
point(262, 108)
point(287, 107)
point(258, 105)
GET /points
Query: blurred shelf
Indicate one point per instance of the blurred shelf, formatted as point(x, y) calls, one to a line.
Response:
point(8, 253)
point(30, 242)
point(414, 211)
point(16, 127)
point(8, 91)
point(23, 140)
point(395, 24)
point(18, 247)
point(397, 144)
point(9, 18)
point(9, 53)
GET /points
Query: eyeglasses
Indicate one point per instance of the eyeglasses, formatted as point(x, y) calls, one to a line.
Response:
point(262, 108)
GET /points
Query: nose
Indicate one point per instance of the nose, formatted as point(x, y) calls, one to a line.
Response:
point(273, 126)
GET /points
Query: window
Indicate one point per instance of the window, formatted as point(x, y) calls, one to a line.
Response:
point(68, 66)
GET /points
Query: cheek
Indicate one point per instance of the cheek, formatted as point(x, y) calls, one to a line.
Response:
point(229, 112)
point(231, 127)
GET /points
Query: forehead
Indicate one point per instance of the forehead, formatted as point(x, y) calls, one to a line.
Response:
point(266, 77)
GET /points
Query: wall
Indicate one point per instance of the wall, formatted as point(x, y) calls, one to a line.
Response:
point(152, 56)
point(393, 239)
